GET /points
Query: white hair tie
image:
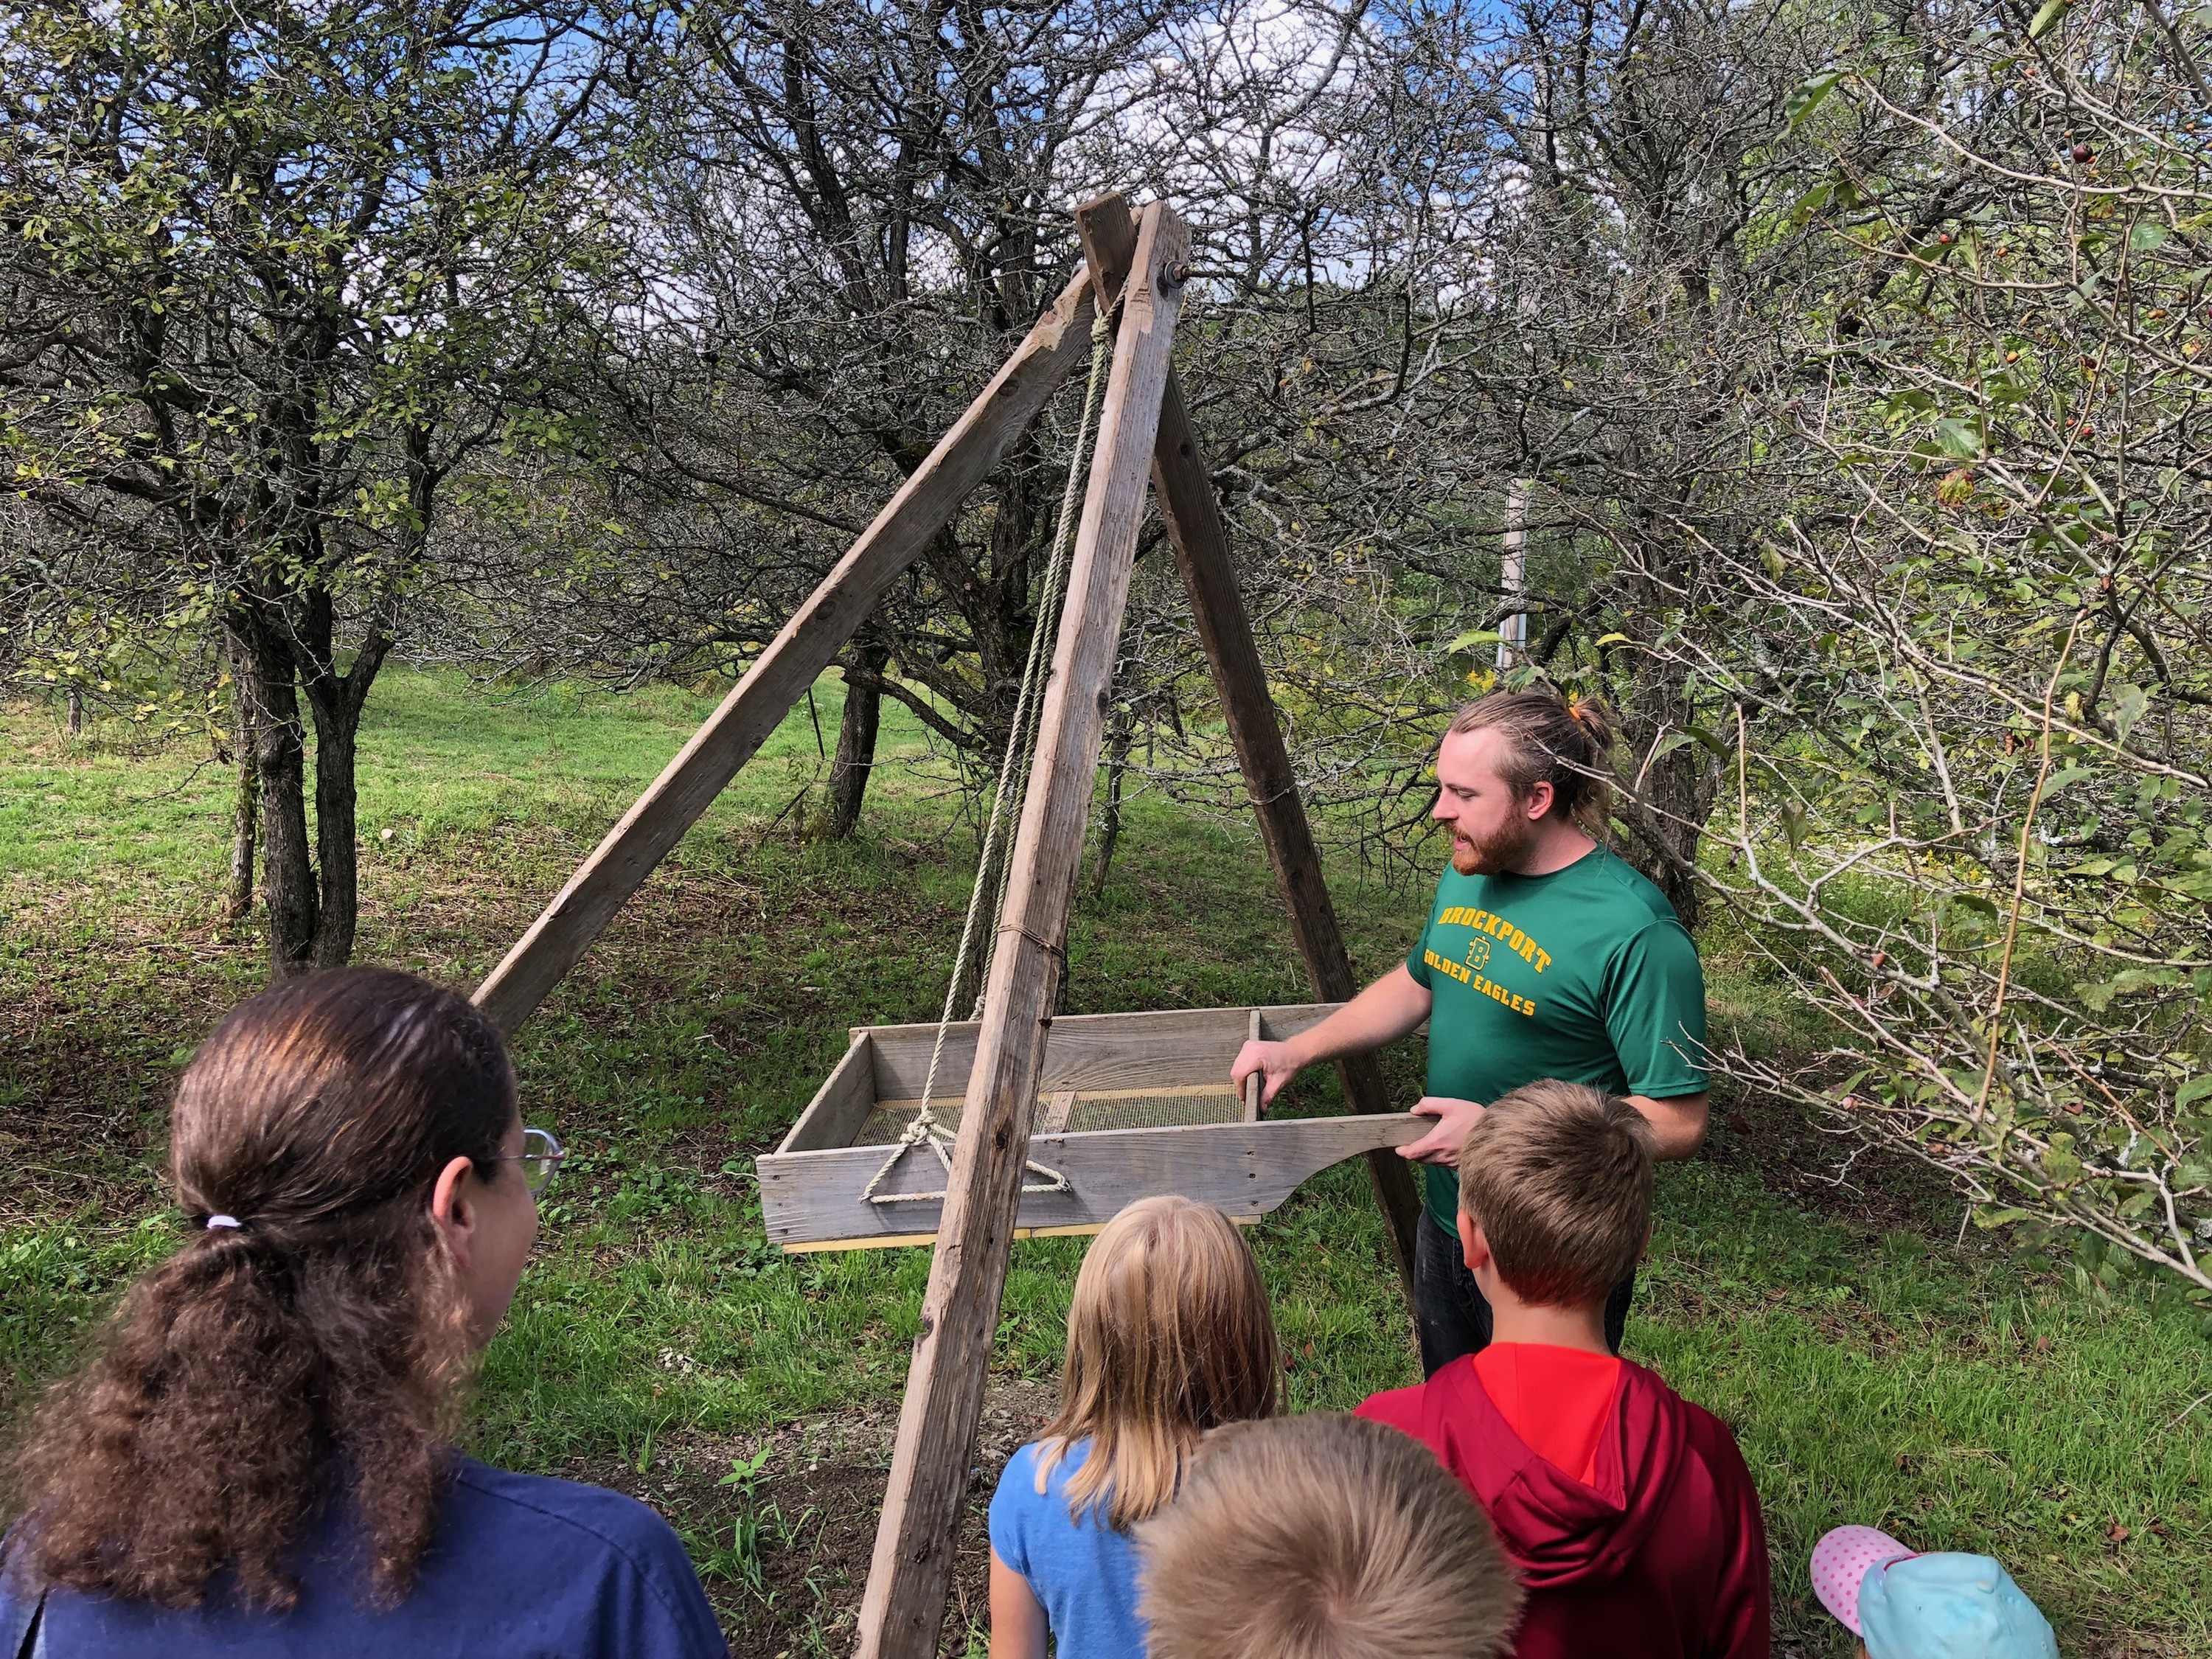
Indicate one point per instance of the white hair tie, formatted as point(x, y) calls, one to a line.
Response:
point(222, 1221)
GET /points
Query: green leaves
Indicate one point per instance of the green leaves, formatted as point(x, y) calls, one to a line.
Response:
point(1840, 191)
point(1810, 96)
point(1960, 435)
point(1793, 825)
point(2130, 704)
point(2065, 779)
point(2046, 18)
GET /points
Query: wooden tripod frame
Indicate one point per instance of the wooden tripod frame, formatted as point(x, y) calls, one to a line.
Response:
point(1144, 430)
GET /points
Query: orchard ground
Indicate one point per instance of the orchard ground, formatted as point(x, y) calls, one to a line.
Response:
point(1877, 1366)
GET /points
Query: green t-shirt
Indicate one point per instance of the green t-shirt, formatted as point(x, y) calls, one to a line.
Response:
point(1584, 975)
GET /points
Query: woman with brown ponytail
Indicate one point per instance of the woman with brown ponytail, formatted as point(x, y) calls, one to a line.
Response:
point(260, 1459)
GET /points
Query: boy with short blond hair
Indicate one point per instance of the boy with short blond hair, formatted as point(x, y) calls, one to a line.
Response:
point(1628, 1509)
point(1322, 1537)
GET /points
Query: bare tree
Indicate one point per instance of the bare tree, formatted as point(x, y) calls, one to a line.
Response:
point(853, 213)
point(851, 218)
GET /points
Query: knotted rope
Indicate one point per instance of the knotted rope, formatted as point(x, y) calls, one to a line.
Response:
point(1006, 806)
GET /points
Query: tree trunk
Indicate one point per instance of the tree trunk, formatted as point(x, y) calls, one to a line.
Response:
point(337, 723)
point(1667, 800)
point(856, 740)
point(288, 890)
point(336, 700)
point(1668, 850)
point(246, 815)
point(1513, 575)
point(75, 711)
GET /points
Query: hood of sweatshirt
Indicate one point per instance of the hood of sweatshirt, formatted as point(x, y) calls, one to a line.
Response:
point(1559, 1531)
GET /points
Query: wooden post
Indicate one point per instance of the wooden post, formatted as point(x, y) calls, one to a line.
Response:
point(1185, 490)
point(904, 1605)
point(1058, 344)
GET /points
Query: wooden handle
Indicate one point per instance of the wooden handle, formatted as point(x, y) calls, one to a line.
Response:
point(1257, 1080)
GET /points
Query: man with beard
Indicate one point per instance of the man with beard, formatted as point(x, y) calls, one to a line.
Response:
point(1545, 956)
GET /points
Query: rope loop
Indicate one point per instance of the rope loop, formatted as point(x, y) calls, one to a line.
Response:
point(1006, 801)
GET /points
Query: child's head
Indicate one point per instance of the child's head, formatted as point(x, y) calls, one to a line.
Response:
point(1322, 1537)
point(1902, 1605)
point(313, 1326)
point(1167, 1335)
point(1557, 1177)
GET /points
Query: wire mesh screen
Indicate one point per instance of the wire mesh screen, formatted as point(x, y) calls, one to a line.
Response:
point(1091, 1108)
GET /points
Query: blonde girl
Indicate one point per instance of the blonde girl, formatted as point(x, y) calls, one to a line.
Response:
point(1167, 1335)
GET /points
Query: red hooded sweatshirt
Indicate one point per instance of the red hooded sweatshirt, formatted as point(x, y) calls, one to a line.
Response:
point(1662, 1556)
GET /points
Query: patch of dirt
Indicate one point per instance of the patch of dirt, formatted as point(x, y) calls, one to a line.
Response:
point(1787, 1149)
point(812, 1510)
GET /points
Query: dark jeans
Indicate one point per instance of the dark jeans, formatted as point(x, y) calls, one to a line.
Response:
point(1450, 1313)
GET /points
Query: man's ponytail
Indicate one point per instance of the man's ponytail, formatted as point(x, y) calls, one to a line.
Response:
point(1564, 742)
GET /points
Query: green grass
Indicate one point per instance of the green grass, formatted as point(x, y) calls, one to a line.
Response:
point(1873, 1372)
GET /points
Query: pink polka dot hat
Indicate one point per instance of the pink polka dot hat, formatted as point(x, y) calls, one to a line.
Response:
point(1841, 1561)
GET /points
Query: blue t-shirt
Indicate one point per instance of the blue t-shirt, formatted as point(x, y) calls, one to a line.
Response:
point(524, 1566)
point(1082, 1571)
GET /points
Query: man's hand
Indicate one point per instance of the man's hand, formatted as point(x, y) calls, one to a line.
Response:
point(1384, 1012)
point(1273, 1060)
point(1442, 1144)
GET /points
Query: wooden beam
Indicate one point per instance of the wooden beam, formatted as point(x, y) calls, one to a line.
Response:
point(1058, 344)
point(908, 1241)
point(1201, 552)
point(1240, 1169)
point(1184, 487)
point(1157, 1047)
point(903, 1607)
point(842, 1104)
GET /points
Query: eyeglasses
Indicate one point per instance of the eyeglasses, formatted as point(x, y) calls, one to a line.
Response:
point(540, 1156)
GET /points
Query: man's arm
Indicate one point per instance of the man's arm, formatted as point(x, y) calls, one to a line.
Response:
point(1386, 1011)
point(1656, 1016)
point(1678, 1120)
point(1679, 1123)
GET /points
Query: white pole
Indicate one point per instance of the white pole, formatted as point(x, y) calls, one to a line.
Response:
point(1513, 632)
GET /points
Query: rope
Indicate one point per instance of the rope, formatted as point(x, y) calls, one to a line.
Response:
point(1005, 808)
point(1102, 339)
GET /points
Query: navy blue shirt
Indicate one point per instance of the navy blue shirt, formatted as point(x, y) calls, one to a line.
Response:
point(524, 1567)
point(1079, 1569)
